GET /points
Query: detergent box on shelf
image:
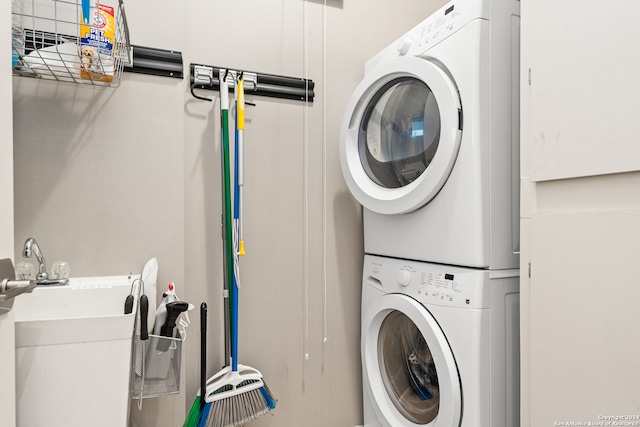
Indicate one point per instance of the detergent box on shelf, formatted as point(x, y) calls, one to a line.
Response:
point(97, 40)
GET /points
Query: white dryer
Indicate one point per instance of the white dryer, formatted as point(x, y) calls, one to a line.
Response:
point(440, 345)
point(429, 143)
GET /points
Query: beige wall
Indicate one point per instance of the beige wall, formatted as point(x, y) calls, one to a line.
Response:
point(109, 178)
point(301, 275)
point(99, 176)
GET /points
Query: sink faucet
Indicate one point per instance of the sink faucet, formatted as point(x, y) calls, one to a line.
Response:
point(32, 246)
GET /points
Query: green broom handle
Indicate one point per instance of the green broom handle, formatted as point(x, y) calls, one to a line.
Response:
point(228, 221)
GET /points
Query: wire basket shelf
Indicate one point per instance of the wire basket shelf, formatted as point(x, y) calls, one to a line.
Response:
point(52, 41)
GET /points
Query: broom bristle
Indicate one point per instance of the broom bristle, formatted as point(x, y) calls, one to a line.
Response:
point(238, 410)
point(268, 397)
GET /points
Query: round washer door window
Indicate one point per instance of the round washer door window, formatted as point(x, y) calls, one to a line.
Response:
point(408, 370)
point(400, 135)
point(411, 371)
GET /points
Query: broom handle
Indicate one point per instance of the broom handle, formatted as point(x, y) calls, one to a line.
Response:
point(203, 354)
point(225, 281)
point(224, 107)
point(237, 251)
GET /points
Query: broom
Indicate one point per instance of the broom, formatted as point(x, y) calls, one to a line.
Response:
point(198, 415)
point(238, 393)
point(199, 411)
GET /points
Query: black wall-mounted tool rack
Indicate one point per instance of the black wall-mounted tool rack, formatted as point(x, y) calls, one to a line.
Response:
point(208, 77)
point(157, 62)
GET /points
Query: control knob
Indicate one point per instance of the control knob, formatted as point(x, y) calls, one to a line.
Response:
point(403, 45)
point(404, 277)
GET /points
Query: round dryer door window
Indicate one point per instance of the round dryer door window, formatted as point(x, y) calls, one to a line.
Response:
point(400, 135)
point(410, 370)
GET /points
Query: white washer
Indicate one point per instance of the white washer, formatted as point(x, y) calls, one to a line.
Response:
point(440, 345)
point(429, 143)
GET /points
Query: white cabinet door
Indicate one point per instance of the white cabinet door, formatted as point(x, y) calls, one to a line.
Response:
point(585, 320)
point(584, 88)
point(7, 332)
point(579, 318)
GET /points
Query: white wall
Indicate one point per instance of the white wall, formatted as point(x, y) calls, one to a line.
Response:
point(580, 213)
point(108, 178)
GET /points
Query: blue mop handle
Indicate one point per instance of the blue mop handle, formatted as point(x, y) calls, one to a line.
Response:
point(234, 326)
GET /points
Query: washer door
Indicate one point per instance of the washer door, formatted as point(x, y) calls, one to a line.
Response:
point(412, 375)
point(400, 135)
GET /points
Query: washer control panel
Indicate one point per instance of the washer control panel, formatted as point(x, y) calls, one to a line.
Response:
point(429, 283)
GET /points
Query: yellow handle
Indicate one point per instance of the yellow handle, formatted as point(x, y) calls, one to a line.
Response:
point(241, 103)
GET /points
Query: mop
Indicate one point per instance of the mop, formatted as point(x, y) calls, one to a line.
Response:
point(238, 393)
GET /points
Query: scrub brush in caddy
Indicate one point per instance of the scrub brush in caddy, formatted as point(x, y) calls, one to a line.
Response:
point(158, 357)
point(167, 315)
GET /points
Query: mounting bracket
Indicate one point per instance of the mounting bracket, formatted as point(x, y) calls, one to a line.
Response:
point(260, 84)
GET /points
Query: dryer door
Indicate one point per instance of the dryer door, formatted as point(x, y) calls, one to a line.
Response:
point(409, 367)
point(400, 135)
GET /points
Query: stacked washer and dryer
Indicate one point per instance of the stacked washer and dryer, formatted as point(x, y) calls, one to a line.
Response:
point(429, 146)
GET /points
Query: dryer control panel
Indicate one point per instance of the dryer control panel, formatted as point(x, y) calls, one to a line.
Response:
point(437, 27)
point(429, 283)
point(445, 21)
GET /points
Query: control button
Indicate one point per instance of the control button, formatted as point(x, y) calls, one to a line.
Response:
point(404, 277)
point(403, 45)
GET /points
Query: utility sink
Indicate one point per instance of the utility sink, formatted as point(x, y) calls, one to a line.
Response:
point(73, 353)
point(85, 310)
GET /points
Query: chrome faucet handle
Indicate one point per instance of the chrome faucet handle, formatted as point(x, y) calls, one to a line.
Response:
point(9, 287)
